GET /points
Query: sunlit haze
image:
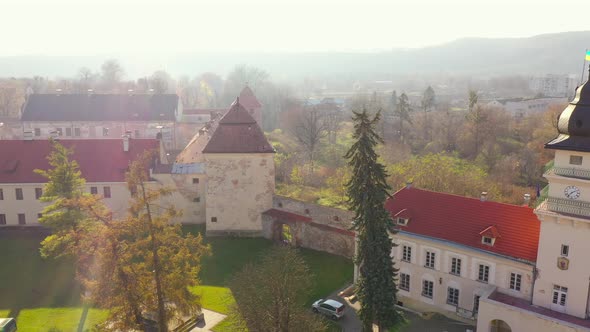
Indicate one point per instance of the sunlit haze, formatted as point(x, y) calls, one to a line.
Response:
point(107, 27)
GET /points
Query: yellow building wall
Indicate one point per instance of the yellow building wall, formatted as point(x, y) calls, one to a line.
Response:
point(467, 283)
point(239, 188)
point(31, 207)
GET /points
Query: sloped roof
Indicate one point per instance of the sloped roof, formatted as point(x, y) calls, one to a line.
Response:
point(100, 160)
point(238, 132)
point(100, 107)
point(491, 231)
point(248, 99)
point(460, 220)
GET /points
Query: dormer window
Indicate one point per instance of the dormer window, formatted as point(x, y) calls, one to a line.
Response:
point(403, 221)
point(487, 240)
point(489, 235)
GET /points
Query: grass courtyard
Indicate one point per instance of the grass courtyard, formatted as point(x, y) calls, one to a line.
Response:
point(43, 295)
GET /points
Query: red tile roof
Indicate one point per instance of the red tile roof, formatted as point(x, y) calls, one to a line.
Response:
point(461, 219)
point(491, 231)
point(238, 132)
point(100, 160)
point(248, 99)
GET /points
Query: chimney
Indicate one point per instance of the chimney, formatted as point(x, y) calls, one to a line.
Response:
point(484, 196)
point(28, 135)
point(126, 142)
point(408, 184)
point(527, 199)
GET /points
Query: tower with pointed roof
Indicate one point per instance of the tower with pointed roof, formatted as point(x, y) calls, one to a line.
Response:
point(563, 268)
point(240, 174)
point(251, 104)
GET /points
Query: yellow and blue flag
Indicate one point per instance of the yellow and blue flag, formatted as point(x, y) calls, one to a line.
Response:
point(587, 55)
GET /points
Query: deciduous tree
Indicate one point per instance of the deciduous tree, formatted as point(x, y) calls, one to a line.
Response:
point(271, 295)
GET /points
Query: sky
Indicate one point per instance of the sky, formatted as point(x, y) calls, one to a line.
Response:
point(90, 27)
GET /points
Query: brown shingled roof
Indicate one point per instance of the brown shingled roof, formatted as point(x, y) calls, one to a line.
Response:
point(238, 132)
point(248, 99)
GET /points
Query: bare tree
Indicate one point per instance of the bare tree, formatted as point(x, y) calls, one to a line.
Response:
point(476, 118)
point(10, 100)
point(86, 79)
point(160, 82)
point(309, 127)
point(111, 74)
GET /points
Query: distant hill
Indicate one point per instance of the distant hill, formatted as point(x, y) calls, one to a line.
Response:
point(559, 53)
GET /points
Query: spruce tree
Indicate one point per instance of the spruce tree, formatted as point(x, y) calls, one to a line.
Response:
point(367, 192)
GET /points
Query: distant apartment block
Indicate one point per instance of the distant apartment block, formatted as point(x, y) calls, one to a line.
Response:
point(553, 85)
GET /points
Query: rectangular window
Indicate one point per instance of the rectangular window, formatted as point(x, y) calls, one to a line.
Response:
point(19, 194)
point(559, 295)
point(105, 131)
point(94, 190)
point(59, 131)
point(576, 160)
point(77, 132)
point(430, 259)
point(21, 219)
point(453, 296)
point(38, 193)
point(197, 199)
point(37, 132)
point(402, 221)
point(427, 288)
point(1, 194)
point(456, 266)
point(484, 273)
point(39, 216)
point(476, 303)
point(565, 250)
point(404, 281)
point(195, 180)
point(407, 254)
point(137, 135)
point(2, 219)
point(486, 240)
point(106, 192)
point(515, 281)
point(213, 219)
point(68, 131)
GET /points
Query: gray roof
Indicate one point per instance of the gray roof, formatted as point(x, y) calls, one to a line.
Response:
point(100, 107)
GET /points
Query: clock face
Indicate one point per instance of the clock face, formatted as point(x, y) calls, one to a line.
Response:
point(572, 192)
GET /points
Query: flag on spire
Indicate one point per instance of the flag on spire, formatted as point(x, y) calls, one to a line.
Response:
point(587, 55)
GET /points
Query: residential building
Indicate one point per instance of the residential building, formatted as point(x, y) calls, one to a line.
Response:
point(103, 164)
point(519, 107)
point(75, 116)
point(551, 85)
point(451, 250)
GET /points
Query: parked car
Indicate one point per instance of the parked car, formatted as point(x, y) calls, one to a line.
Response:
point(7, 325)
point(330, 308)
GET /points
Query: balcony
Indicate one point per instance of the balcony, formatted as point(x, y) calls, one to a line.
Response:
point(569, 206)
point(572, 172)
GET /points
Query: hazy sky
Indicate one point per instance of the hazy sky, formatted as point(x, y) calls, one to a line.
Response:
point(82, 27)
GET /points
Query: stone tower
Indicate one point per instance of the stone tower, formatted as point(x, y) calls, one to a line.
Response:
point(563, 268)
point(240, 174)
point(249, 101)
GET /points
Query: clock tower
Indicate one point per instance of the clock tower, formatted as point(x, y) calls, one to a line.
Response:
point(563, 258)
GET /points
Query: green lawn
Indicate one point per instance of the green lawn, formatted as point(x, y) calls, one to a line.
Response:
point(43, 294)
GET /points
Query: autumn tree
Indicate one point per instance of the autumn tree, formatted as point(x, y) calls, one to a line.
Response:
point(367, 192)
point(241, 76)
point(271, 295)
point(165, 261)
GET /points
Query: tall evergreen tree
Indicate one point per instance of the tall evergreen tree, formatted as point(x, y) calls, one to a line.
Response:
point(402, 111)
point(367, 192)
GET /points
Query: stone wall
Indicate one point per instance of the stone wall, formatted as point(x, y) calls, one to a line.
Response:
point(311, 226)
point(240, 187)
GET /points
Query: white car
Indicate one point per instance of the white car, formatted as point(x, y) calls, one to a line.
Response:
point(330, 308)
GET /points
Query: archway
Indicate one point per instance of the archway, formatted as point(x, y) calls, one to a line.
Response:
point(286, 234)
point(498, 325)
